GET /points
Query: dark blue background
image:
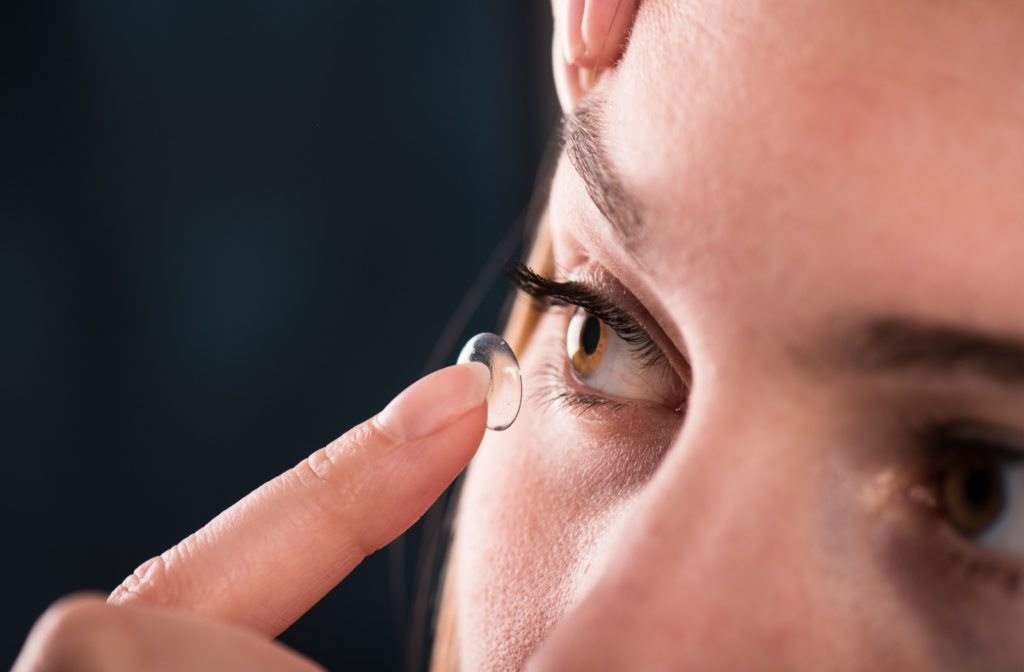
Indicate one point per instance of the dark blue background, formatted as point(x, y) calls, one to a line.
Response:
point(229, 231)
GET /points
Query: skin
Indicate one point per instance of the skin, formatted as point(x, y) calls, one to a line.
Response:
point(798, 167)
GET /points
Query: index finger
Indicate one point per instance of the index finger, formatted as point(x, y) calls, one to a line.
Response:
point(604, 27)
point(266, 560)
point(592, 33)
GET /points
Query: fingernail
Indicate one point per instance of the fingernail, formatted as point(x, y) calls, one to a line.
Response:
point(434, 402)
point(570, 25)
point(572, 50)
point(586, 77)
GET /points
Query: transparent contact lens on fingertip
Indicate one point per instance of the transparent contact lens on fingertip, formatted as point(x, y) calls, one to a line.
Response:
point(505, 393)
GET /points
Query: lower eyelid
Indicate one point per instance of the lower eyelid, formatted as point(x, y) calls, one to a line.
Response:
point(553, 387)
point(555, 384)
point(627, 440)
point(977, 566)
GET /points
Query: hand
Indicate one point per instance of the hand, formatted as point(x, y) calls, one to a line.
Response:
point(216, 599)
point(589, 37)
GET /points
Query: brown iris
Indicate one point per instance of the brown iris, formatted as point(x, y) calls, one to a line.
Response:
point(586, 341)
point(973, 494)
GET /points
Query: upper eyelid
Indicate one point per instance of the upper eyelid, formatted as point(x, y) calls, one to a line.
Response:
point(571, 292)
point(575, 293)
point(976, 438)
point(545, 289)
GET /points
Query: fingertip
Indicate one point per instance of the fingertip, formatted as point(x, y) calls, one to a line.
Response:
point(605, 27)
point(569, 30)
point(589, 37)
point(435, 401)
point(566, 77)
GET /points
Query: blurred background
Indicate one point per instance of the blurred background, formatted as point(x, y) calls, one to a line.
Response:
point(228, 232)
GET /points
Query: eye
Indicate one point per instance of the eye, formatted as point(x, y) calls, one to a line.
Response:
point(624, 366)
point(981, 494)
point(973, 494)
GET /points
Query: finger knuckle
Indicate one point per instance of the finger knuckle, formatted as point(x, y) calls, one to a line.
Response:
point(152, 583)
point(331, 482)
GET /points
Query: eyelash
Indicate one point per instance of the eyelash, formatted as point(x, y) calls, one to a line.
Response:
point(548, 293)
point(551, 388)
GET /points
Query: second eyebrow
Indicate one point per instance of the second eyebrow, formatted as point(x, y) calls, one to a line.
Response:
point(897, 344)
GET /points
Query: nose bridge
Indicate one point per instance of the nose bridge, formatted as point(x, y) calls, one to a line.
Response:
point(719, 556)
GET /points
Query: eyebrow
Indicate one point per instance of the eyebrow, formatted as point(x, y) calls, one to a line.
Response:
point(899, 344)
point(582, 138)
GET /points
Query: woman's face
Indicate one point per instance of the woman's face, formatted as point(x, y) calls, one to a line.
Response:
point(814, 211)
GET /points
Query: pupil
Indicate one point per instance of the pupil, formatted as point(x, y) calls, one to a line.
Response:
point(978, 487)
point(590, 336)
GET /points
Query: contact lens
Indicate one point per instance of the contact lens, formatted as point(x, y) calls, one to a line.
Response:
point(506, 391)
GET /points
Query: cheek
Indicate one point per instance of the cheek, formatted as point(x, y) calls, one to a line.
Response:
point(515, 547)
point(536, 510)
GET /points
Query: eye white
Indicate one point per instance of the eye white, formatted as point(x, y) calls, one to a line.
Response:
point(620, 371)
point(1006, 535)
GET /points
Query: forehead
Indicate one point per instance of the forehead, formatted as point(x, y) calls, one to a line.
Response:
point(854, 153)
